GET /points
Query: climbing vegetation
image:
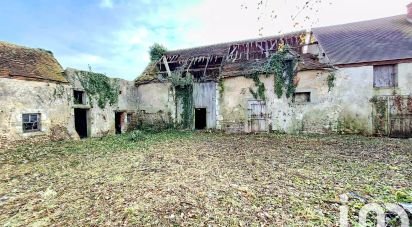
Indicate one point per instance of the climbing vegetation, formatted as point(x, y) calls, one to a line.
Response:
point(59, 92)
point(380, 118)
point(179, 79)
point(283, 66)
point(221, 88)
point(183, 87)
point(260, 91)
point(331, 80)
point(99, 87)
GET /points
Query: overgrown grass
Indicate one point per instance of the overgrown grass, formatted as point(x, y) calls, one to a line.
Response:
point(187, 178)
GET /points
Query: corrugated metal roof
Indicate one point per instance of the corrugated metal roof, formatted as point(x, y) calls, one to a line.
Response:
point(367, 41)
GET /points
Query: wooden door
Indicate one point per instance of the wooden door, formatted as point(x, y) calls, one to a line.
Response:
point(257, 116)
point(400, 116)
point(392, 116)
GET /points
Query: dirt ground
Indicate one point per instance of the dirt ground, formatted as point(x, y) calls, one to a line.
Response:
point(185, 178)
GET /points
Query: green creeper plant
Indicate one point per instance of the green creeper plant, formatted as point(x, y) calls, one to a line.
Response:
point(99, 87)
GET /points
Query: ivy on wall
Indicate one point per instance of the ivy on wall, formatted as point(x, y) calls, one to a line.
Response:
point(260, 92)
point(183, 86)
point(283, 66)
point(380, 118)
point(59, 92)
point(331, 80)
point(221, 88)
point(99, 87)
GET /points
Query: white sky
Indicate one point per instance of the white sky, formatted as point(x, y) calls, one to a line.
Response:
point(114, 36)
point(215, 21)
point(227, 20)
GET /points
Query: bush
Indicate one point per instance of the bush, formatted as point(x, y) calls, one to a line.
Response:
point(157, 51)
point(136, 136)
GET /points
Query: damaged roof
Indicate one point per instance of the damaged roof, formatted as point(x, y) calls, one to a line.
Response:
point(367, 41)
point(29, 63)
point(237, 58)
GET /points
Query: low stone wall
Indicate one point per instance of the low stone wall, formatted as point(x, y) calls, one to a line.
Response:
point(158, 120)
point(233, 126)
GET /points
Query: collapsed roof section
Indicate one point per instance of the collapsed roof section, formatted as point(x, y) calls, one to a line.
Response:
point(209, 63)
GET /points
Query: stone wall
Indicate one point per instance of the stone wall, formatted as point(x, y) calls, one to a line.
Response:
point(345, 108)
point(156, 104)
point(101, 122)
point(233, 102)
point(50, 100)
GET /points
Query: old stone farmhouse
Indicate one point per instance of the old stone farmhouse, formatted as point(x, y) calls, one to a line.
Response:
point(351, 78)
point(41, 101)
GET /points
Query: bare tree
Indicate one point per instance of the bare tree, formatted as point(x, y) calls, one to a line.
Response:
point(304, 14)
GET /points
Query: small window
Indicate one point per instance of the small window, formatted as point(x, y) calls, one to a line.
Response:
point(129, 118)
point(78, 97)
point(31, 122)
point(301, 97)
point(384, 76)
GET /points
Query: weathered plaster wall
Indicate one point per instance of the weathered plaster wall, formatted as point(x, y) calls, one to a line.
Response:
point(51, 100)
point(233, 102)
point(156, 103)
point(346, 108)
point(101, 122)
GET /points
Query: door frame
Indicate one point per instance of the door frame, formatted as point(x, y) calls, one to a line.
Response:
point(88, 124)
point(263, 119)
point(122, 118)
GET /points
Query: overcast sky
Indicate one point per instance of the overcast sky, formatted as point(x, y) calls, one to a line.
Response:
point(113, 36)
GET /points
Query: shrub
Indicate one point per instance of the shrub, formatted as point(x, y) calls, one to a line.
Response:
point(136, 136)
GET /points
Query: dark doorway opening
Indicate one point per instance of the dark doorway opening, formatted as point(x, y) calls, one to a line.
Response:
point(118, 122)
point(80, 122)
point(200, 118)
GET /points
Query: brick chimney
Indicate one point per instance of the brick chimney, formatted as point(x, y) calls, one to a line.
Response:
point(409, 15)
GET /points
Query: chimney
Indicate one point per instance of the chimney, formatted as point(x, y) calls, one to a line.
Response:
point(409, 15)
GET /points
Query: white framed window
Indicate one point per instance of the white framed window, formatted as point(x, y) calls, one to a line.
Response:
point(385, 76)
point(31, 122)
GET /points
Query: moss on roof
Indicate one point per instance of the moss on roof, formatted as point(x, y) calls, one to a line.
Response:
point(229, 67)
point(149, 75)
point(30, 63)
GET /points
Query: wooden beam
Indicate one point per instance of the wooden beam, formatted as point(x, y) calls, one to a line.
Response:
point(167, 66)
point(207, 63)
point(190, 65)
point(247, 51)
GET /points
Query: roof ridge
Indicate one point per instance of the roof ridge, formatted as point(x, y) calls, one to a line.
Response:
point(360, 22)
point(13, 45)
point(237, 41)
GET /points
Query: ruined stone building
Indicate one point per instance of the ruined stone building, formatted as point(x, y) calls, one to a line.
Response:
point(351, 78)
point(41, 101)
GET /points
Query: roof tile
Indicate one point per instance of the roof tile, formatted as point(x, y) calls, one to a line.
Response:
point(29, 63)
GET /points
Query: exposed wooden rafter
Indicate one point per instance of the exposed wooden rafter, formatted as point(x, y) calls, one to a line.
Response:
point(167, 66)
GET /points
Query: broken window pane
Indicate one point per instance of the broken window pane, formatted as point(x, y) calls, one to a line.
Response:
point(31, 122)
